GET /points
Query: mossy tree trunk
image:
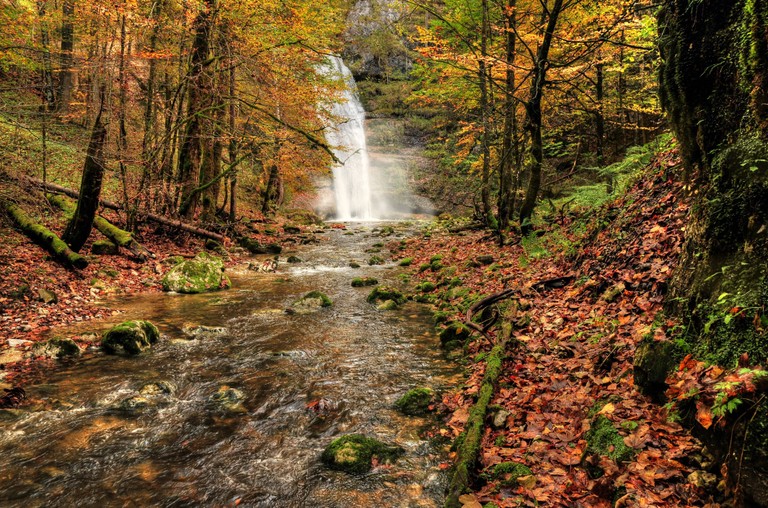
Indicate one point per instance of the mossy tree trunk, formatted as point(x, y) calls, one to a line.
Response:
point(44, 237)
point(79, 228)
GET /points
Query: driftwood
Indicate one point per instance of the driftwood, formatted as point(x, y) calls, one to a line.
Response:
point(45, 237)
point(118, 236)
point(483, 304)
point(52, 187)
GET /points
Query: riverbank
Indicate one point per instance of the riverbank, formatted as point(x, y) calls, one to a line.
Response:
point(38, 294)
point(567, 425)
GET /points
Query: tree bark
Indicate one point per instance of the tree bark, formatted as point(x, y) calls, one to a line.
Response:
point(483, 76)
point(79, 228)
point(533, 115)
point(510, 149)
point(67, 56)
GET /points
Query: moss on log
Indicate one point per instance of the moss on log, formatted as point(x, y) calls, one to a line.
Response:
point(469, 449)
point(118, 236)
point(45, 237)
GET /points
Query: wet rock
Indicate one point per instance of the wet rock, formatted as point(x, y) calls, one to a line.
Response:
point(311, 302)
point(294, 259)
point(359, 282)
point(292, 230)
point(375, 260)
point(198, 275)
point(11, 415)
point(253, 246)
point(130, 337)
point(47, 296)
point(158, 388)
point(384, 293)
point(134, 404)
point(354, 453)
point(229, 400)
point(268, 266)
point(104, 248)
point(415, 402)
point(57, 347)
point(352, 264)
point(703, 479)
point(204, 332)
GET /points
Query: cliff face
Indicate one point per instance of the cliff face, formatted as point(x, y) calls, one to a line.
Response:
point(714, 87)
point(376, 46)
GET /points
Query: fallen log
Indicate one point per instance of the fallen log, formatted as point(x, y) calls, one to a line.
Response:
point(45, 237)
point(483, 304)
point(52, 187)
point(118, 236)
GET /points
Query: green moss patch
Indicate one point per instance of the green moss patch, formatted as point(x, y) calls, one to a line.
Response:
point(354, 453)
point(453, 334)
point(359, 282)
point(507, 473)
point(384, 293)
point(415, 402)
point(603, 439)
point(198, 275)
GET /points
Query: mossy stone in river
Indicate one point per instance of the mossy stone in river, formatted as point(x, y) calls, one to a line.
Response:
point(229, 400)
point(130, 337)
point(415, 402)
point(359, 282)
point(57, 347)
point(198, 275)
point(387, 305)
point(312, 301)
point(354, 453)
point(384, 293)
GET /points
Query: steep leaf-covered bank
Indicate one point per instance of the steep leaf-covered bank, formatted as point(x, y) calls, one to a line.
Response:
point(590, 294)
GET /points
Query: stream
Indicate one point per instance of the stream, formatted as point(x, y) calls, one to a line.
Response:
point(78, 449)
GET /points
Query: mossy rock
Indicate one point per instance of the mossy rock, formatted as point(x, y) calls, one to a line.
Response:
point(376, 260)
point(352, 264)
point(134, 404)
point(253, 246)
point(405, 262)
point(415, 402)
point(57, 347)
point(158, 388)
point(387, 305)
point(104, 248)
point(294, 259)
point(354, 453)
point(201, 274)
point(311, 302)
point(426, 287)
point(384, 293)
point(653, 362)
point(508, 473)
point(273, 248)
point(454, 333)
point(359, 282)
point(130, 337)
point(603, 439)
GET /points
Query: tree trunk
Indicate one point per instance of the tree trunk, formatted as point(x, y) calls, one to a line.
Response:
point(67, 54)
point(483, 77)
point(533, 116)
point(191, 151)
point(49, 93)
point(45, 237)
point(233, 145)
point(79, 228)
point(510, 148)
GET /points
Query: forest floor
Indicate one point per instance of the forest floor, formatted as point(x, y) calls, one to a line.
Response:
point(566, 406)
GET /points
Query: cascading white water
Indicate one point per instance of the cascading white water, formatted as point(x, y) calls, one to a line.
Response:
point(351, 178)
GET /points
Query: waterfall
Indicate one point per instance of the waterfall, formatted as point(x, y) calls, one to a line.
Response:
point(351, 178)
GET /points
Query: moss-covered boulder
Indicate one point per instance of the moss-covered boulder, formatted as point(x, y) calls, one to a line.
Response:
point(454, 335)
point(654, 360)
point(354, 453)
point(415, 402)
point(388, 305)
point(426, 287)
point(405, 262)
point(198, 275)
point(375, 260)
point(57, 347)
point(384, 293)
point(158, 388)
point(130, 337)
point(135, 404)
point(311, 302)
point(359, 282)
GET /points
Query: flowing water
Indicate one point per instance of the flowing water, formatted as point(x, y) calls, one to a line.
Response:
point(77, 449)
